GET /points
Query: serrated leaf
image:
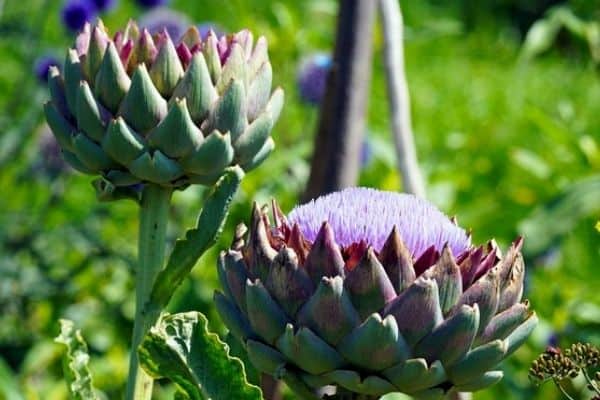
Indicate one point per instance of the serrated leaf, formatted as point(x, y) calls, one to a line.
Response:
point(181, 349)
point(75, 362)
point(236, 349)
point(187, 251)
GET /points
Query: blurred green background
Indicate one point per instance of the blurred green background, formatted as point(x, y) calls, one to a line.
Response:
point(508, 138)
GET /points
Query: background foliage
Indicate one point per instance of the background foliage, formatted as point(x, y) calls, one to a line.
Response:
point(508, 143)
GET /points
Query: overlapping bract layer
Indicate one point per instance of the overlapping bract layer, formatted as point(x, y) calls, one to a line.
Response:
point(372, 321)
point(142, 108)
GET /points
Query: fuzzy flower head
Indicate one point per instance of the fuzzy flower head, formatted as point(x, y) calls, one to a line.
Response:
point(373, 292)
point(312, 77)
point(363, 214)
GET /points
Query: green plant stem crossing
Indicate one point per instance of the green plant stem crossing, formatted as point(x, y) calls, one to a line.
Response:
point(151, 252)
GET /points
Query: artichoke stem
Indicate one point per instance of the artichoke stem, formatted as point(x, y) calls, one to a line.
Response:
point(151, 252)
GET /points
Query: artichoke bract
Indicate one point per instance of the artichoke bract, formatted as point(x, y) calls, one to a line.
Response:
point(373, 292)
point(140, 108)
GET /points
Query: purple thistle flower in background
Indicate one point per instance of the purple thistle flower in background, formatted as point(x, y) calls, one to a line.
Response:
point(312, 77)
point(103, 5)
point(152, 3)
point(42, 65)
point(75, 13)
point(205, 27)
point(50, 164)
point(366, 153)
point(157, 20)
point(363, 214)
point(553, 339)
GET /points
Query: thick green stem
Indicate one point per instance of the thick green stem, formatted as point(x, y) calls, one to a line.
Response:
point(151, 252)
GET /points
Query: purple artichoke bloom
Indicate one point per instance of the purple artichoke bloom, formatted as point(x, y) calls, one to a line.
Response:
point(312, 77)
point(373, 292)
point(42, 65)
point(350, 214)
point(75, 14)
point(160, 19)
point(152, 3)
point(103, 5)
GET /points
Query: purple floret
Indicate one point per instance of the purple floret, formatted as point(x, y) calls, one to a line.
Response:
point(42, 65)
point(357, 214)
point(75, 13)
point(312, 77)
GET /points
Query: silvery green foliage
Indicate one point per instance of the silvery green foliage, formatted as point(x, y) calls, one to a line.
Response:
point(140, 108)
point(369, 317)
point(179, 347)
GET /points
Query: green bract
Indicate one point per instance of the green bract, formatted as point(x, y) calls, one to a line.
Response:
point(139, 108)
point(372, 320)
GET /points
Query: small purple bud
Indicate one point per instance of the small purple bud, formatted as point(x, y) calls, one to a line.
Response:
point(152, 3)
point(366, 153)
point(160, 19)
point(312, 77)
point(75, 13)
point(103, 5)
point(50, 163)
point(42, 65)
point(553, 339)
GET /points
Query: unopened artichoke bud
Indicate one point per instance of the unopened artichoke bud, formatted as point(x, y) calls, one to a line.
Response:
point(140, 108)
point(373, 292)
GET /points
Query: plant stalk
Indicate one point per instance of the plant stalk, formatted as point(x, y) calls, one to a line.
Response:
point(399, 99)
point(563, 391)
point(336, 152)
point(154, 214)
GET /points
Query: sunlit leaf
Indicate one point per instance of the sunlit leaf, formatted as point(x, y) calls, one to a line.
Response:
point(181, 349)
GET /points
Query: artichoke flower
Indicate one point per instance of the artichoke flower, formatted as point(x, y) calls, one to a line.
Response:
point(139, 108)
point(373, 292)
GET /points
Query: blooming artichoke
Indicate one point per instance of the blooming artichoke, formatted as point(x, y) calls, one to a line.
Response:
point(140, 108)
point(373, 292)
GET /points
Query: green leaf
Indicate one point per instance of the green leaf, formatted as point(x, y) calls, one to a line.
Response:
point(187, 251)
point(75, 362)
point(236, 349)
point(181, 349)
